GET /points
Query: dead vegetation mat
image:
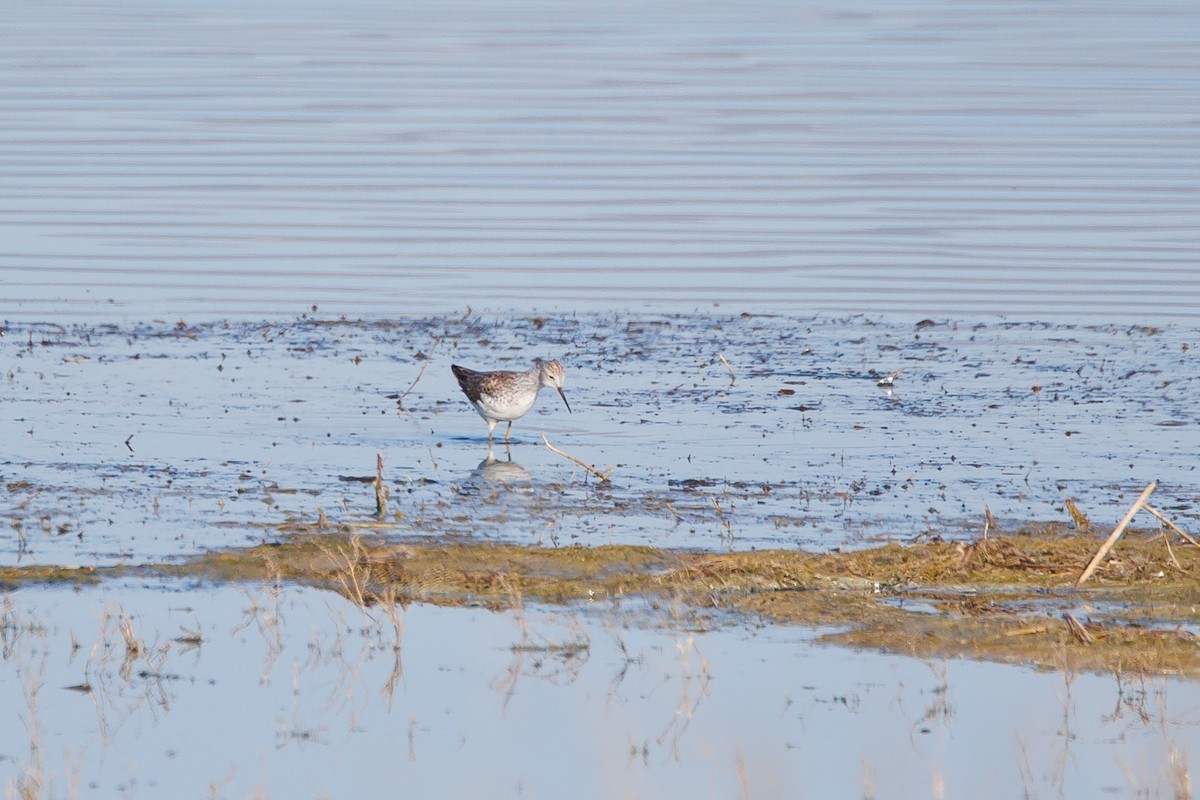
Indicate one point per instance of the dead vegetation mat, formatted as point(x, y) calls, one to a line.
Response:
point(1011, 599)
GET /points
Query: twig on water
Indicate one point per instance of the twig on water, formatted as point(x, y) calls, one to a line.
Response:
point(428, 358)
point(732, 376)
point(1078, 631)
point(1116, 534)
point(1171, 553)
point(603, 475)
point(721, 515)
point(1170, 524)
point(1028, 630)
point(381, 491)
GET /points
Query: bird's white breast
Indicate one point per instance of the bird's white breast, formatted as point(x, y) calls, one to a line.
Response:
point(505, 408)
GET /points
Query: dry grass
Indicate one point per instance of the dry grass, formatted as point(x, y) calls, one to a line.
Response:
point(1001, 598)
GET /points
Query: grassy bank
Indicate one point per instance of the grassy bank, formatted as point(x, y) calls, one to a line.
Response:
point(1010, 599)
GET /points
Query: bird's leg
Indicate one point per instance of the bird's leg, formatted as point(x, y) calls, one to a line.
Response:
point(491, 427)
point(508, 432)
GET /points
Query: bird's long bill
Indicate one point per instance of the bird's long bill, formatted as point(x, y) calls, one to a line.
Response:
point(564, 397)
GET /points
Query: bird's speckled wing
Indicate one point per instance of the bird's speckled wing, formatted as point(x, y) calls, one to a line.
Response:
point(469, 381)
point(498, 384)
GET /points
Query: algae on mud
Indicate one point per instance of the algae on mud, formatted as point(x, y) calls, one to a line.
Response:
point(1000, 599)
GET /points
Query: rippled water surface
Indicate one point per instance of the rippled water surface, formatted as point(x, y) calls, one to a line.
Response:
point(1037, 160)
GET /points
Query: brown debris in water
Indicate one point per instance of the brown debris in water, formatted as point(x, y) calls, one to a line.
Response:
point(1000, 599)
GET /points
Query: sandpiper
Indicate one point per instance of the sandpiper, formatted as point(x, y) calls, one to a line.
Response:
point(889, 379)
point(506, 396)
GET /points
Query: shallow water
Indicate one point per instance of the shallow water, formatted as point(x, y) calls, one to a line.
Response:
point(167, 159)
point(611, 185)
point(311, 699)
point(143, 442)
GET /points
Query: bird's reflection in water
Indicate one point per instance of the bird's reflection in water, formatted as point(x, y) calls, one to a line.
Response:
point(493, 470)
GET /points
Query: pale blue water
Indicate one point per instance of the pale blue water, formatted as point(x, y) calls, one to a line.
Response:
point(176, 159)
point(296, 694)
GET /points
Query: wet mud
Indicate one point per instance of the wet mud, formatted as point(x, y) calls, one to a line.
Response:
point(723, 432)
